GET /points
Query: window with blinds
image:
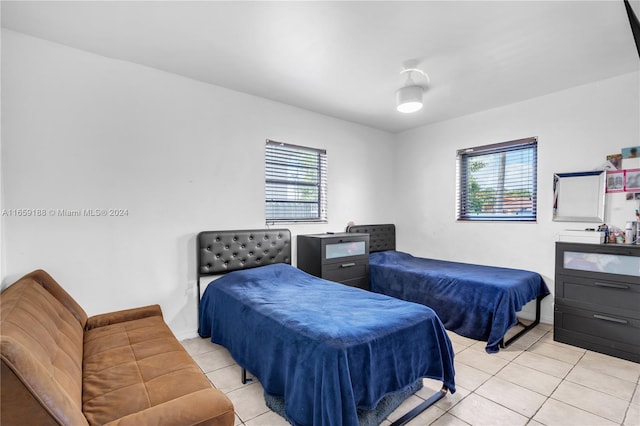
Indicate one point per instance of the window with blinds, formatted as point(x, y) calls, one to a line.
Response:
point(498, 182)
point(295, 183)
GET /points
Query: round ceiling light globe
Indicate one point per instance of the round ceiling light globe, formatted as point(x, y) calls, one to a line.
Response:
point(409, 99)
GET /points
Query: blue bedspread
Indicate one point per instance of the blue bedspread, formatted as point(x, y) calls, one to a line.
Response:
point(475, 301)
point(327, 348)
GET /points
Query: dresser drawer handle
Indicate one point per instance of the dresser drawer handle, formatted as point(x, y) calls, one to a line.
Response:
point(610, 285)
point(348, 265)
point(602, 317)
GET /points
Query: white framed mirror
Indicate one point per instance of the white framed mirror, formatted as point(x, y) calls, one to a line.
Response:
point(579, 196)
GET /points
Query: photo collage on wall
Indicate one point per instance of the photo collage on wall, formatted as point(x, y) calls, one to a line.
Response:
point(625, 179)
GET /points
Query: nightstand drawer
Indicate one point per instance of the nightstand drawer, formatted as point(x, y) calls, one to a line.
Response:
point(345, 271)
point(615, 297)
point(361, 282)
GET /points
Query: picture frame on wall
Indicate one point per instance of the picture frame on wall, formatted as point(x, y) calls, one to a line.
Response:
point(631, 152)
point(632, 180)
point(616, 180)
point(615, 160)
point(632, 196)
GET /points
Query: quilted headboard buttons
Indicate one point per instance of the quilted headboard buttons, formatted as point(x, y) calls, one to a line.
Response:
point(381, 237)
point(225, 251)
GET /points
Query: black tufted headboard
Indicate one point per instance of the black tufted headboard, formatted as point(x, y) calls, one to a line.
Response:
point(381, 237)
point(220, 252)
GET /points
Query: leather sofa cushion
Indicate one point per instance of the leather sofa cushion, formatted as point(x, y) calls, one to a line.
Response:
point(133, 366)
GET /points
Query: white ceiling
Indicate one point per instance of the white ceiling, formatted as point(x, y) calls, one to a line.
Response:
point(343, 59)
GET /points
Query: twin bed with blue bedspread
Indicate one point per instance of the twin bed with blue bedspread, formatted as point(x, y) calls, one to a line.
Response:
point(475, 301)
point(330, 351)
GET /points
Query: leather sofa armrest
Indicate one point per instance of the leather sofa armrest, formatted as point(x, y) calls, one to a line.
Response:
point(205, 407)
point(122, 316)
point(48, 283)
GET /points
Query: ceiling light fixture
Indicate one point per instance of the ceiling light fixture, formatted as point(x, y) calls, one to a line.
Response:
point(409, 97)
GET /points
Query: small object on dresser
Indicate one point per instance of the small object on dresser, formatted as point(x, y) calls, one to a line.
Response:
point(616, 235)
point(605, 230)
point(630, 232)
point(581, 236)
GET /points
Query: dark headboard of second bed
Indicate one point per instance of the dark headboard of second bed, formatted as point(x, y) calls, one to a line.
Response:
point(381, 237)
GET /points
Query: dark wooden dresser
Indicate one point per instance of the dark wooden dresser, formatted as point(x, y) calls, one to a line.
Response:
point(597, 298)
point(340, 257)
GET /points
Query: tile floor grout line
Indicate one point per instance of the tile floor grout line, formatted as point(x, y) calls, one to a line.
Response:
point(578, 384)
point(508, 362)
point(529, 418)
point(474, 391)
point(556, 388)
point(626, 413)
point(564, 379)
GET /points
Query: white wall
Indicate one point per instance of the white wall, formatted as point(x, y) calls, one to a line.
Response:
point(84, 131)
point(576, 129)
point(81, 131)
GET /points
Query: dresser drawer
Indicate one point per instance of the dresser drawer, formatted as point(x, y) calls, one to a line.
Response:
point(618, 262)
point(592, 327)
point(611, 327)
point(615, 297)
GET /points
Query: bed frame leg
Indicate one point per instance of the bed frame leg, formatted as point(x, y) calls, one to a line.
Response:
point(421, 407)
point(244, 377)
point(527, 328)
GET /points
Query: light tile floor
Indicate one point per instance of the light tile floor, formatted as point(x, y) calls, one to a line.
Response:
point(535, 381)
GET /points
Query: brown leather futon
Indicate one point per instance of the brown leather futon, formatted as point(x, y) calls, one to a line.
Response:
point(60, 367)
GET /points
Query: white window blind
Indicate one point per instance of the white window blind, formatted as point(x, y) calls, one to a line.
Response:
point(295, 183)
point(498, 182)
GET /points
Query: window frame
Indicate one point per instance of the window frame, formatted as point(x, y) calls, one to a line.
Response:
point(320, 183)
point(464, 156)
